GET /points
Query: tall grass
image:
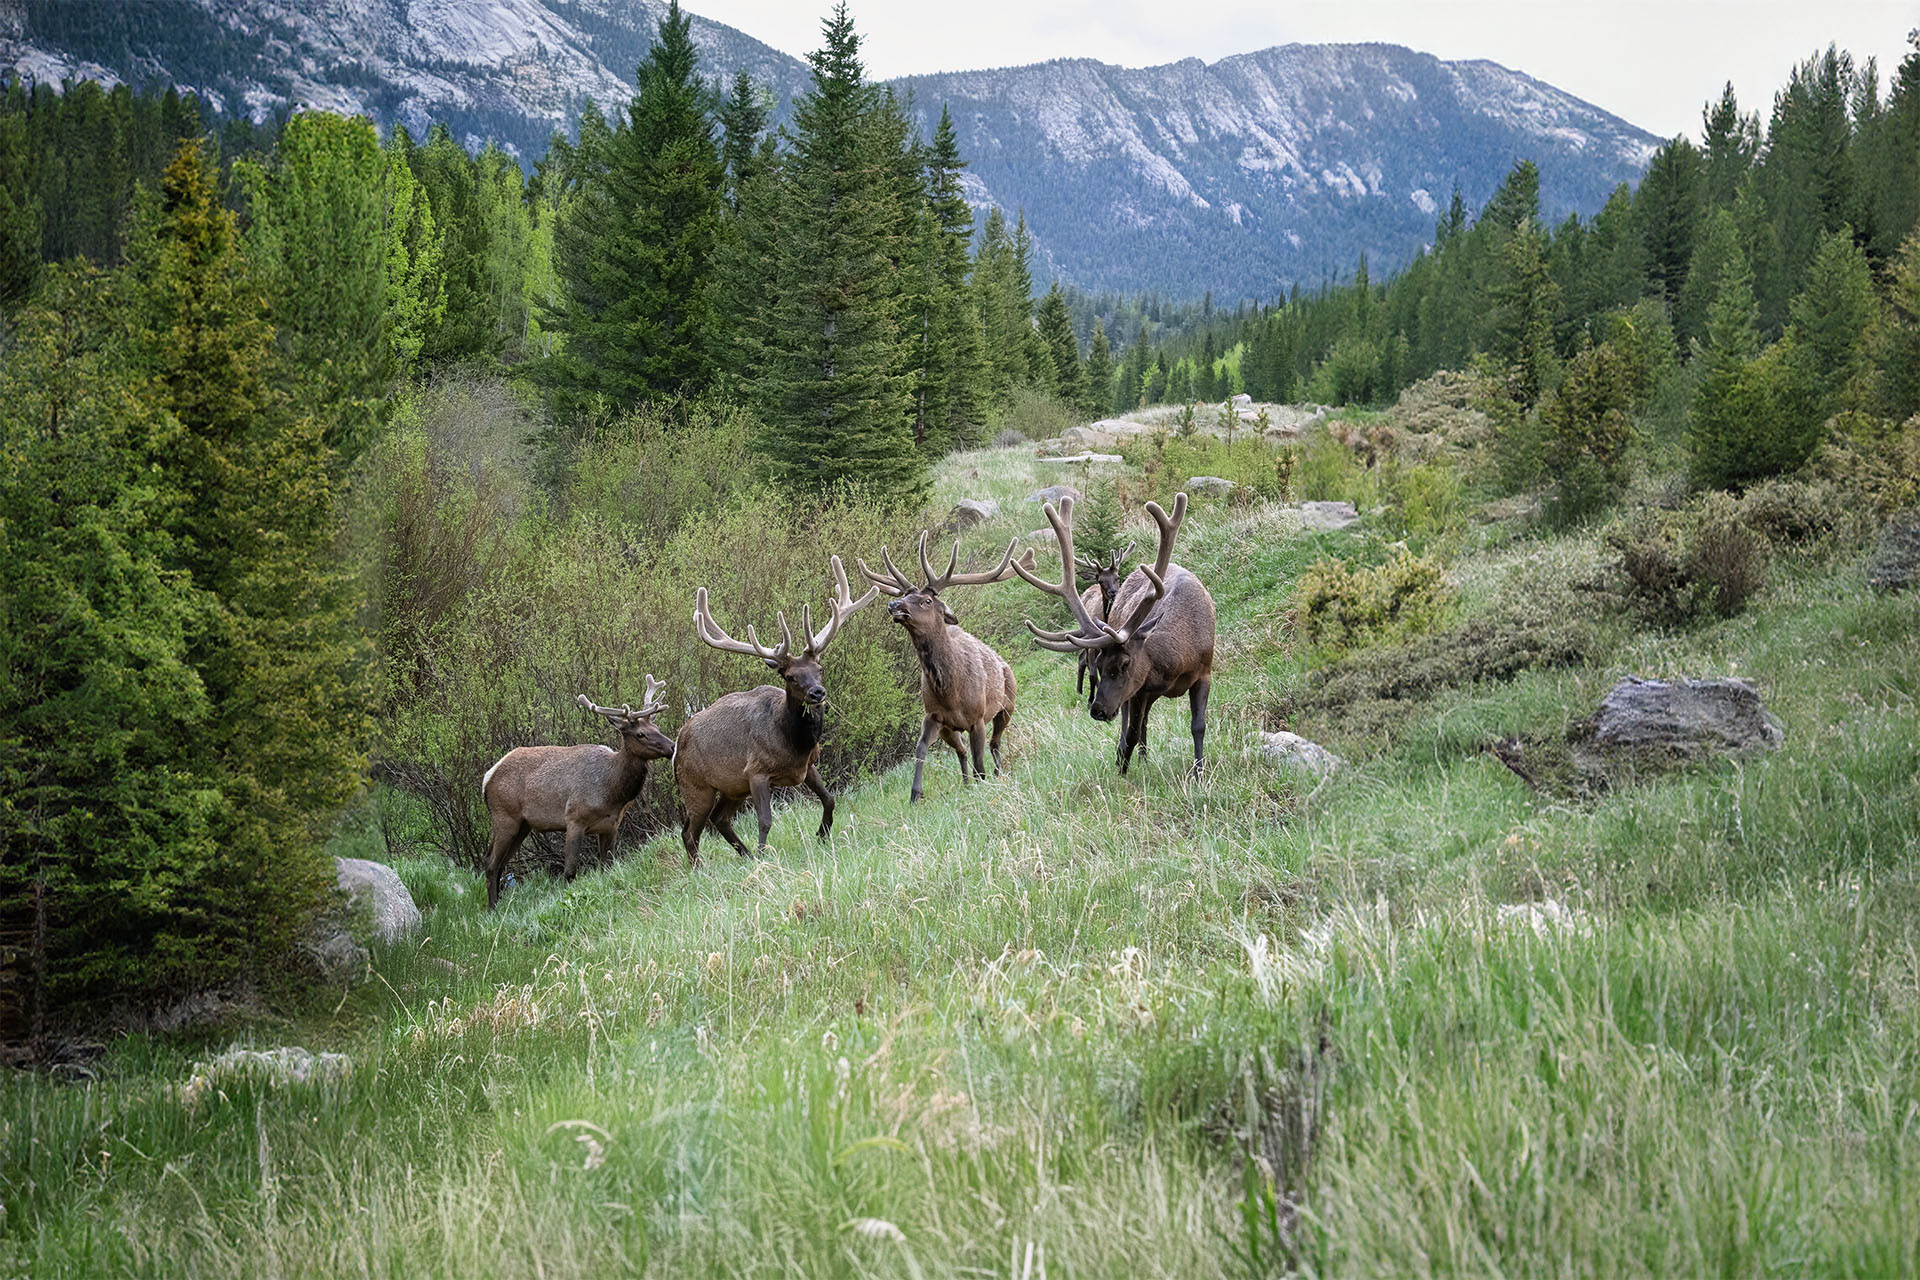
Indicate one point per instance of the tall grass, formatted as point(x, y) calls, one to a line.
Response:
point(1415, 1020)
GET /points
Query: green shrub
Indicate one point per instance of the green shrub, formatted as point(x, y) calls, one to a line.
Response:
point(1166, 463)
point(1586, 432)
point(1791, 514)
point(1425, 502)
point(494, 609)
point(1038, 415)
point(1341, 608)
point(1681, 567)
point(1753, 419)
point(1329, 471)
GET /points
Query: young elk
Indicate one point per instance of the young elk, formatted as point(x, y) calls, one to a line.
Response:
point(748, 743)
point(1156, 643)
point(964, 684)
point(578, 790)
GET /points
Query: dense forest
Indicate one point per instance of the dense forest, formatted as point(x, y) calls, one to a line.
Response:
point(236, 569)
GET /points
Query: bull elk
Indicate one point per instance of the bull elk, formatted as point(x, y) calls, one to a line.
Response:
point(1157, 641)
point(1105, 577)
point(582, 790)
point(964, 684)
point(747, 743)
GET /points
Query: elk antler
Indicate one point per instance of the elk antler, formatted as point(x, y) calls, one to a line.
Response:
point(709, 631)
point(1163, 560)
point(940, 582)
point(844, 607)
point(1093, 568)
point(650, 707)
point(1092, 634)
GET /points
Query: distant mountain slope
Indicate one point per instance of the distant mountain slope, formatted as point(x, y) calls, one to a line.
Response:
point(1242, 176)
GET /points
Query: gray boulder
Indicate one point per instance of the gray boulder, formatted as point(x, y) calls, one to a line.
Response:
point(1242, 403)
point(969, 512)
point(1896, 561)
point(1055, 492)
point(1291, 751)
point(378, 893)
point(1325, 516)
point(1684, 718)
point(1216, 485)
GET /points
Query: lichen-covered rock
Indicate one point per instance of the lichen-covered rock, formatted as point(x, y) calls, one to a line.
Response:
point(375, 887)
point(1290, 750)
point(274, 1068)
point(969, 512)
point(1895, 565)
point(1055, 492)
point(1218, 486)
point(1325, 517)
point(1684, 718)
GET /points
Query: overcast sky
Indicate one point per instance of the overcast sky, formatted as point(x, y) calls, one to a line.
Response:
point(1653, 62)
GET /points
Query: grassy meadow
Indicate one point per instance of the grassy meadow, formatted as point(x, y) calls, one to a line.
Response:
point(1414, 1019)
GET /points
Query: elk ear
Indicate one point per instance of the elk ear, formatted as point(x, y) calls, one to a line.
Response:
point(946, 611)
point(773, 664)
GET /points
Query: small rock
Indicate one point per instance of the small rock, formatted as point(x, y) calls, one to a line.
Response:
point(1896, 561)
point(1041, 535)
point(1325, 516)
point(1684, 718)
point(275, 1068)
point(376, 886)
point(1210, 484)
point(969, 512)
point(1084, 457)
point(1054, 492)
point(1291, 750)
point(1242, 401)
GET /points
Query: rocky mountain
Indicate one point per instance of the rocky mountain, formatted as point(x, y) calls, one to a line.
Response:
point(1242, 176)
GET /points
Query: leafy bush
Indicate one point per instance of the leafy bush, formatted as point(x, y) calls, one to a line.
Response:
point(1039, 415)
point(1795, 513)
point(1166, 463)
point(1425, 502)
point(1587, 430)
point(1341, 608)
point(1874, 459)
point(1753, 419)
point(494, 608)
point(1329, 471)
point(1677, 568)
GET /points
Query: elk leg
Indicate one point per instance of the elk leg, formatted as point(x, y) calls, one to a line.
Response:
point(999, 727)
point(977, 742)
point(818, 785)
point(697, 804)
point(762, 805)
point(928, 732)
point(1197, 699)
point(568, 865)
point(952, 739)
point(506, 839)
point(723, 823)
point(1135, 731)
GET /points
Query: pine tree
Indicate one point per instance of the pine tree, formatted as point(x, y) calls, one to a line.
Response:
point(20, 230)
point(1712, 256)
point(742, 121)
point(1832, 318)
point(955, 391)
point(1749, 420)
point(634, 252)
point(1069, 379)
point(836, 408)
point(416, 296)
point(1099, 372)
point(1897, 342)
point(451, 181)
point(1131, 392)
point(1526, 306)
point(1668, 208)
point(1730, 145)
point(1203, 381)
point(317, 239)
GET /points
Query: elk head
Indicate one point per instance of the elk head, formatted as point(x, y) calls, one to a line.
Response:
point(1109, 649)
point(919, 608)
point(799, 667)
point(1106, 574)
point(638, 734)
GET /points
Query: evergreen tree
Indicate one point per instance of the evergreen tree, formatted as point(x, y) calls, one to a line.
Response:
point(20, 230)
point(1750, 421)
point(954, 390)
point(1099, 373)
point(1712, 257)
point(836, 408)
point(1668, 207)
point(1130, 394)
point(1730, 145)
point(1203, 381)
point(1832, 318)
point(1897, 342)
point(1069, 379)
point(317, 239)
point(448, 175)
point(416, 297)
point(634, 252)
point(742, 121)
point(1589, 430)
point(1526, 307)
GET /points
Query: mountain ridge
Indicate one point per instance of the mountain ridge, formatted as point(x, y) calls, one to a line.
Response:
point(1242, 176)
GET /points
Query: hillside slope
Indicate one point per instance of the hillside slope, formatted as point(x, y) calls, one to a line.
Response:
point(1416, 1019)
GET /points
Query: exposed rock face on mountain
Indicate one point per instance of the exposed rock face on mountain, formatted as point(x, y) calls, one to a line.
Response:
point(1241, 176)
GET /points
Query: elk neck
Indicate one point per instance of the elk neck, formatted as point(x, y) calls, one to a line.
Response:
point(936, 655)
point(629, 772)
point(803, 723)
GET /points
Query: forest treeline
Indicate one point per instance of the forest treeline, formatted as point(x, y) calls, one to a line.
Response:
point(235, 566)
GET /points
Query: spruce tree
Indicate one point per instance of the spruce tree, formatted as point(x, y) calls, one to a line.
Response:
point(1833, 316)
point(1897, 342)
point(1668, 208)
point(1712, 256)
point(634, 252)
point(955, 390)
point(742, 121)
point(836, 408)
point(1526, 307)
point(1730, 143)
point(1099, 372)
point(451, 181)
point(1068, 379)
point(416, 296)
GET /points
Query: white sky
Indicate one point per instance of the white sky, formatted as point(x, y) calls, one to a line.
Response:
point(1653, 62)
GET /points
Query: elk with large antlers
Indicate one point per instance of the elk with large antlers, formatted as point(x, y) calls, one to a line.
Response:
point(581, 790)
point(1157, 642)
point(964, 684)
point(748, 743)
